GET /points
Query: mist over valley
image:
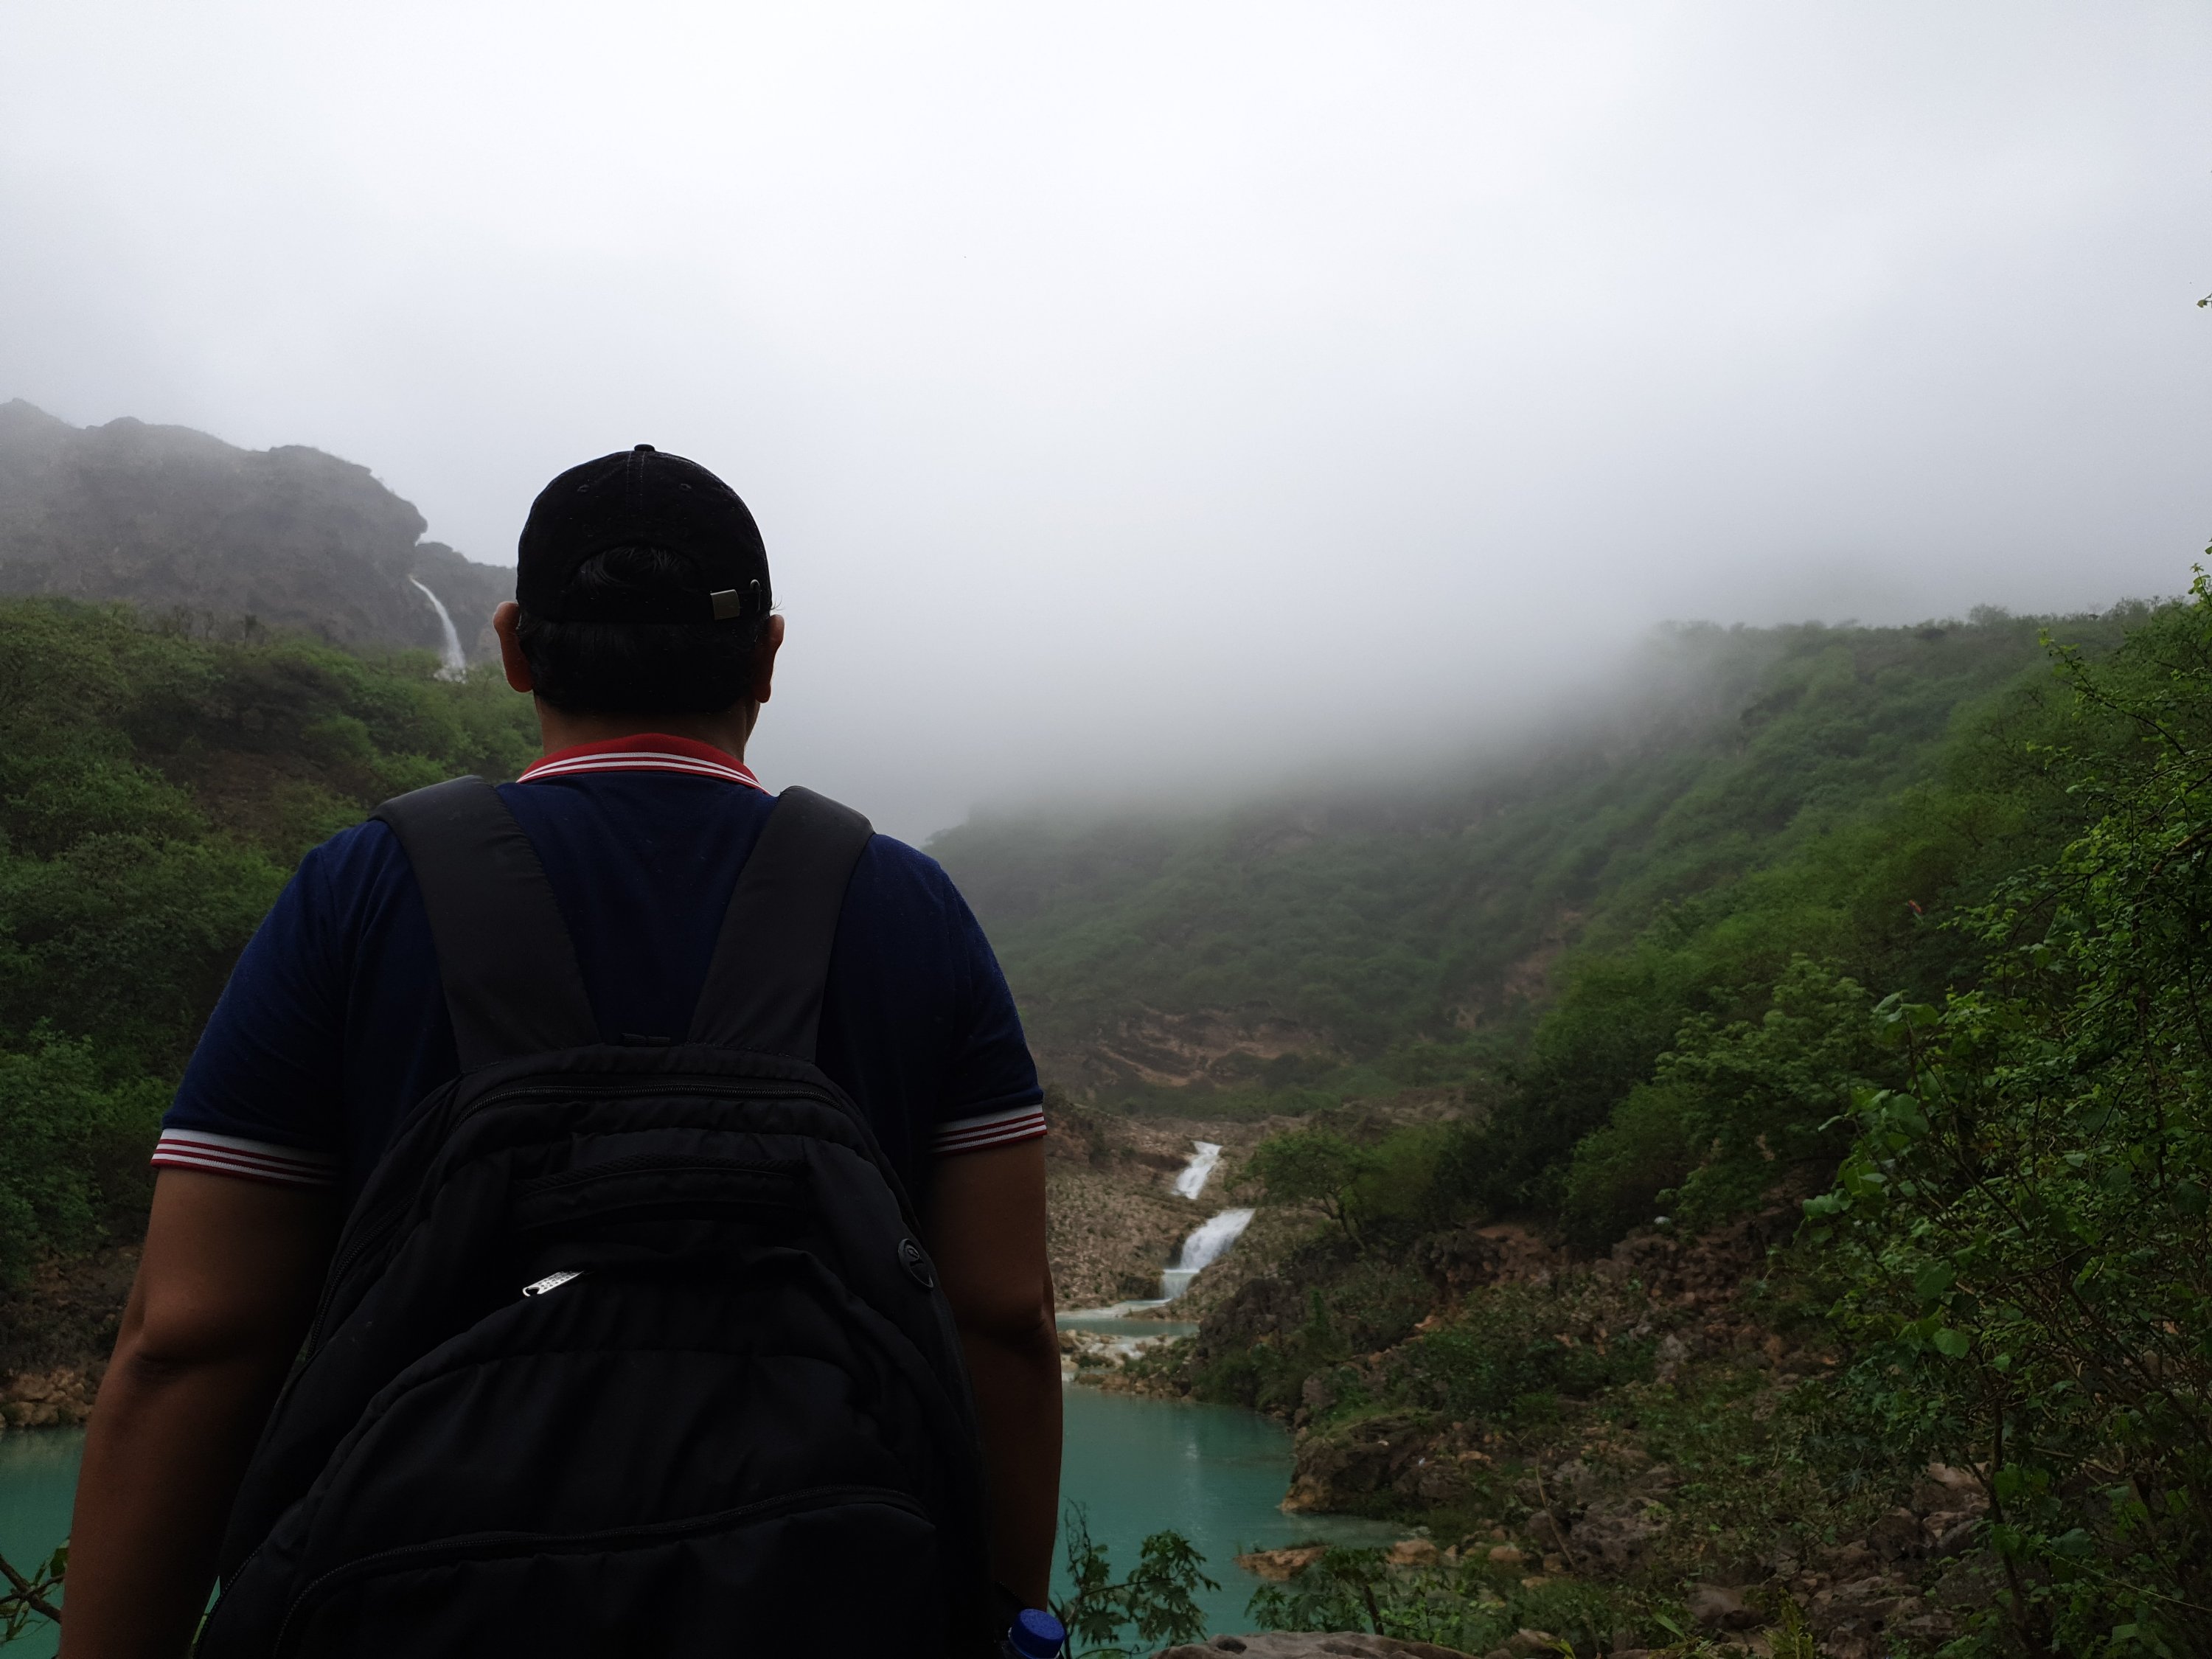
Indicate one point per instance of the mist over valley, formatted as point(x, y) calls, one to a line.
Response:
point(1556, 646)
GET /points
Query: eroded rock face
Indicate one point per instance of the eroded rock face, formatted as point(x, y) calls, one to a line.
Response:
point(176, 521)
point(60, 1398)
point(1280, 1566)
point(1404, 1454)
point(1260, 1307)
point(1174, 1049)
point(56, 1332)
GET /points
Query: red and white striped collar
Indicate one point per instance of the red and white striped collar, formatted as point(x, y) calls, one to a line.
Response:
point(643, 751)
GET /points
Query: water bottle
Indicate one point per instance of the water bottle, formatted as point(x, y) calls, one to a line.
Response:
point(1035, 1634)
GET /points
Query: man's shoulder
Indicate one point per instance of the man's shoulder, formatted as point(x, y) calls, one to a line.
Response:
point(904, 878)
point(891, 857)
point(360, 857)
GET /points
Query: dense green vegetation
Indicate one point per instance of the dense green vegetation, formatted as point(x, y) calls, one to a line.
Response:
point(154, 789)
point(1406, 936)
point(1963, 1026)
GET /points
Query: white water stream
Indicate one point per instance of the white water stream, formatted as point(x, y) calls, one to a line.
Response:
point(1206, 1245)
point(1192, 1180)
point(1202, 1249)
point(453, 663)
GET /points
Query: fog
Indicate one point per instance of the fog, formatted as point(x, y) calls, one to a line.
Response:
point(1164, 398)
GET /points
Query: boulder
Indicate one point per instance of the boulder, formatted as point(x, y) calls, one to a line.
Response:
point(1849, 1619)
point(1544, 1528)
point(1897, 1535)
point(1280, 1566)
point(1719, 1606)
point(60, 1398)
point(1413, 1553)
point(1951, 1491)
point(1398, 1453)
point(1614, 1536)
point(1951, 1534)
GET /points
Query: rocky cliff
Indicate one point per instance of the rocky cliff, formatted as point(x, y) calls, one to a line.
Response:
point(224, 538)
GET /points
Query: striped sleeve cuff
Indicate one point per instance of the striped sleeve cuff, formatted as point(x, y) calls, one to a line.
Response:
point(249, 1160)
point(972, 1135)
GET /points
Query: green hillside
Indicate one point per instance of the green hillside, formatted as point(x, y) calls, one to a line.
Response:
point(1350, 939)
point(1839, 1233)
point(154, 790)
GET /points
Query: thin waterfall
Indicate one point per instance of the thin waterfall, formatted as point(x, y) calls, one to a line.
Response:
point(1205, 1247)
point(1192, 1180)
point(455, 662)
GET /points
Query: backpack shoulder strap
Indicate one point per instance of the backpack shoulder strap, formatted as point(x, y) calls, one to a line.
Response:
point(763, 989)
point(504, 954)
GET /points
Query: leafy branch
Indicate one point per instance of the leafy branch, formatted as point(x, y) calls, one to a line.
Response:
point(27, 1598)
point(1158, 1597)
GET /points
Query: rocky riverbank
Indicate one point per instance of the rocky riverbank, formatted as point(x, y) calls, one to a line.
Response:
point(56, 1332)
point(1639, 1433)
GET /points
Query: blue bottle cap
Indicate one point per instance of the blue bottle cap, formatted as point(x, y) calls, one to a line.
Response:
point(1036, 1634)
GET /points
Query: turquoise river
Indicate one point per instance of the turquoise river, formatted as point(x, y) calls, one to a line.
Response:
point(1213, 1473)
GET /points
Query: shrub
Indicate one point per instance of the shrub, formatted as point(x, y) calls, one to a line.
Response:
point(1515, 1344)
point(72, 1149)
point(2027, 1223)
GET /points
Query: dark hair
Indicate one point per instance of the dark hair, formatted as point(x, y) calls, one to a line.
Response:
point(639, 668)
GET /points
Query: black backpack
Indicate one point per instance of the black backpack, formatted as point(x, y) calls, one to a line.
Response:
point(625, 1350)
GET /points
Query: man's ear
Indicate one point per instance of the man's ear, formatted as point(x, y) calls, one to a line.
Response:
point(764, 658)
point(510, 648)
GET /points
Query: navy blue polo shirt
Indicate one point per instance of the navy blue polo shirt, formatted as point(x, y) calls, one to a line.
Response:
point(334, 1022)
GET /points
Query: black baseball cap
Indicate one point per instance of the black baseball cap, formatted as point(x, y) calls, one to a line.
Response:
point(641, 498)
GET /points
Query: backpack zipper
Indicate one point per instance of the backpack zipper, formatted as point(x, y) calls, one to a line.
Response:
point(377, 1233)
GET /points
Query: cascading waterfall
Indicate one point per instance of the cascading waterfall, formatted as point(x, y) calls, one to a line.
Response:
point(1205, 1247)
point(1192, 1180)
point(455, 662)
point(1207, 1244)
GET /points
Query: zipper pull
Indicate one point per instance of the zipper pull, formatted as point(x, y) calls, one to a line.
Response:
point(550, 1282)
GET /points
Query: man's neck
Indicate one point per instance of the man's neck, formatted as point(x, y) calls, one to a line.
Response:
point(725, 730)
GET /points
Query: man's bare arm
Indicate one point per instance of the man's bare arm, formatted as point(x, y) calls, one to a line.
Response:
point(987, 1235)
point(224, 1292)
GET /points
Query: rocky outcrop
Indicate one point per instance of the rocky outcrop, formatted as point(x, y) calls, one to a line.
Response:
point(1707, 1267)
point(1280, 1566)
point(1404, 1455)
point(1175, 1050)
point(187, 527)
point(56, 1399)
point(56, 1332)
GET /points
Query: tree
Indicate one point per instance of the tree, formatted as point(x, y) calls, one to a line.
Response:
point(1315, 1167)
point(2028, 1223)
point(1158, 1598)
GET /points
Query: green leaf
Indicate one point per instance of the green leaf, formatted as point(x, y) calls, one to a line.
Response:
point(1931, 1282)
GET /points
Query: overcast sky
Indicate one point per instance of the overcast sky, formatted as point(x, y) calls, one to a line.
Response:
point(1154, 395)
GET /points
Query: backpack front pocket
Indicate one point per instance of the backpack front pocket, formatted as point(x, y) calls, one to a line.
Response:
point(832, 1571)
